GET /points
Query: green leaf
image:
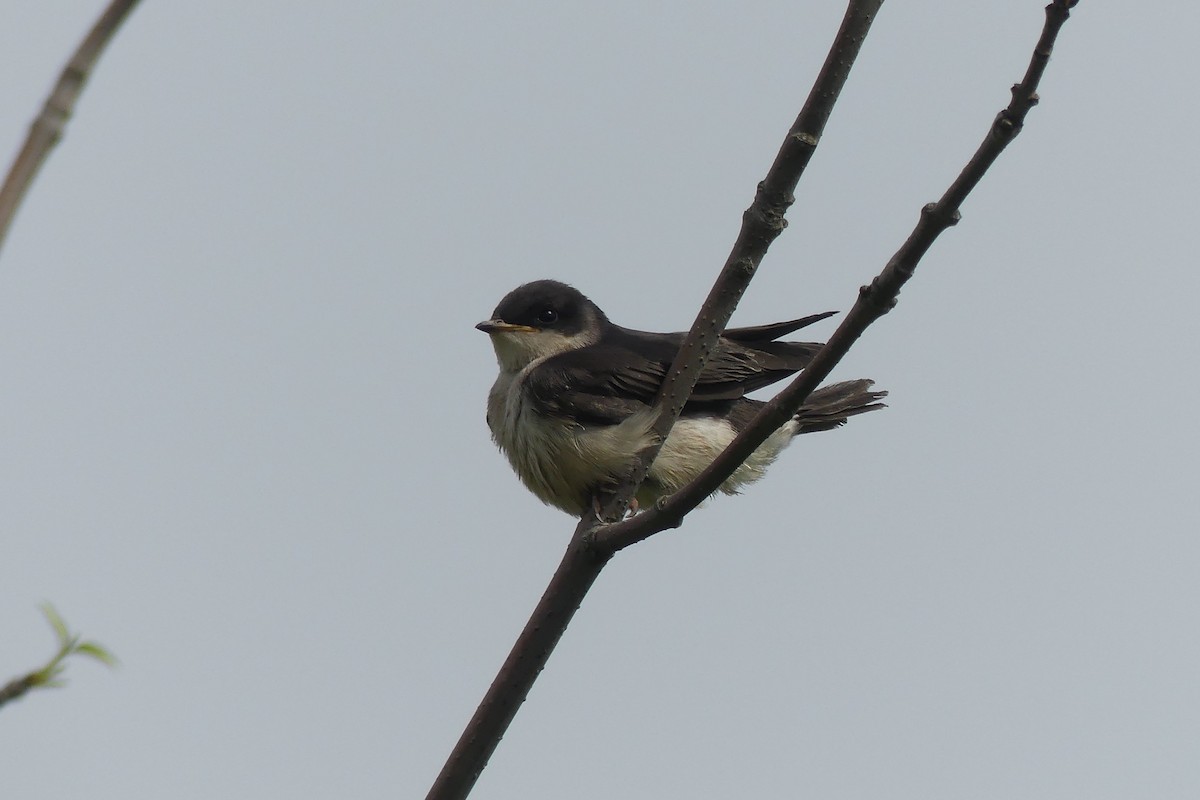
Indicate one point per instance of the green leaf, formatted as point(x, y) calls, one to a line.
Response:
point(97, 652)
point(56, 622)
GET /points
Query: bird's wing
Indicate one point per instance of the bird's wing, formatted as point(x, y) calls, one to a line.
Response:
point(766, 333)
point(593, 385)
point(606, 382)
point(737, 366)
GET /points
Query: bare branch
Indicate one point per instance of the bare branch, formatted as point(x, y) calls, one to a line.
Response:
point(581, 565)
point(873, 302)
point(574, 577)
point(47, 129)
point(762, 223)
point(592, 547)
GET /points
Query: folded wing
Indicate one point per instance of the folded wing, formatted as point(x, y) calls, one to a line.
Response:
point(620, 375)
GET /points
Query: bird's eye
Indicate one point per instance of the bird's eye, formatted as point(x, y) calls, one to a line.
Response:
point(547, 316)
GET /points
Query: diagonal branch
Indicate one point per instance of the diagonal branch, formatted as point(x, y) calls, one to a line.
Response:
point(582, 563)
point(47, 129)
point(762, 223)
point(592, 547)
point(873, 302)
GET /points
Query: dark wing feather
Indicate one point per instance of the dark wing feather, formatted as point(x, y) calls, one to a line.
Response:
point(767, 333)
point(737, 365)
point(599, 384)
point(606, 382)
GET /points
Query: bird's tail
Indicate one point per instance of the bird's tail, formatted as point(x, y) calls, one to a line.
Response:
point(830, 406)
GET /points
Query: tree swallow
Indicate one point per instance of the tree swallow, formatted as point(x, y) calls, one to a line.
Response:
point(573, 402)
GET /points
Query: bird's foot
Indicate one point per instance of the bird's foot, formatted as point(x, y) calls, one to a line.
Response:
point(629, 512)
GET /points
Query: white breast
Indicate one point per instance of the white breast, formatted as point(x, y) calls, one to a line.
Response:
point(559, 461)
point(562, 463)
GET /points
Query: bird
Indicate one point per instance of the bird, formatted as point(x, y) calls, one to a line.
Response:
point(574, 398)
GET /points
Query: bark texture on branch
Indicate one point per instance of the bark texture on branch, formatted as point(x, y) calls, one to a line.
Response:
point(874, 300)
point(762, 223)
point(48, 127)
point(581, 565)
point(593, 543)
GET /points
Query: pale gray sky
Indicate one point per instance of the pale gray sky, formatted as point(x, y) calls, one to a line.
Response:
point(243, 439)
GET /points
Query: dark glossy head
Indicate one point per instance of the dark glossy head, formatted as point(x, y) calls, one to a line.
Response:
point(540, 319)
point(544, 305)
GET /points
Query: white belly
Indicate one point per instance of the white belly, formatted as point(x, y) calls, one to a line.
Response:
point(562, 463)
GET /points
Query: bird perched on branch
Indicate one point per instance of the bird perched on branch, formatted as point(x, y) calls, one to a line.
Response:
point(574, 399)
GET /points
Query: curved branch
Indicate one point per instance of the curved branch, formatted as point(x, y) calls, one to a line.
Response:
point(47, 129)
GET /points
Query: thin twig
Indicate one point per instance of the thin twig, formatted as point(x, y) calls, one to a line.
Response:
point(47, 128)
point(49, 675)
point(582, 564)
point(17, 687)
point(873, 302)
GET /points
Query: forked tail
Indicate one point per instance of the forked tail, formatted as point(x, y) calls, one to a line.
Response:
point(830, 406)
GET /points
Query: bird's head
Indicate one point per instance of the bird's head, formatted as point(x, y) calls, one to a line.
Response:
point(541, 319)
